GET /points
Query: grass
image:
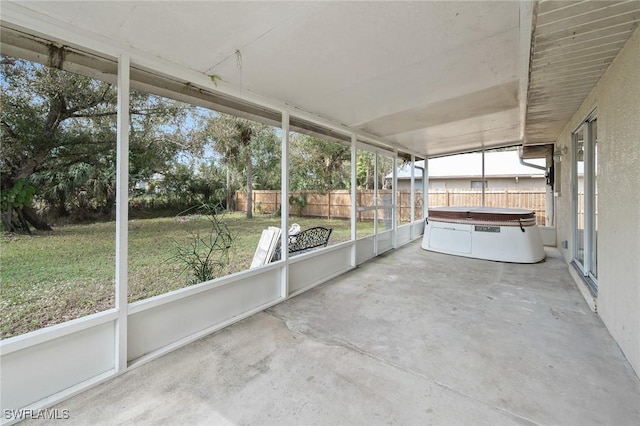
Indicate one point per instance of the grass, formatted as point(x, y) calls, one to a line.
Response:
point(50, 278)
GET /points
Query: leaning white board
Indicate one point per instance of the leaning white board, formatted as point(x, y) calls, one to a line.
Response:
point(266, 247)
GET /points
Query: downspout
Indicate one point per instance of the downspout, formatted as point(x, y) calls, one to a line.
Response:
point(550, 212)
point(535, 166)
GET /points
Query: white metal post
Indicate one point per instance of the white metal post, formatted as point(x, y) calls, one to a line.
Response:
point(395, 209)
point(425, 188)
point(587, 196)
point(574, 193)
point(122, 213)
point(412, 195)
point(482, 181)
point(354, 194)
point(375, 203)
point(284, 204)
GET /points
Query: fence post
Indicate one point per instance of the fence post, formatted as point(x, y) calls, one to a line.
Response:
point(329, 205)
point(279, 200)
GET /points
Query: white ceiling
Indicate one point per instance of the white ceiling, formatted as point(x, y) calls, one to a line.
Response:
point(430, 77)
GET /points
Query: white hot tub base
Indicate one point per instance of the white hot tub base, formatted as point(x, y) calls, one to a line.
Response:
point(505, 235)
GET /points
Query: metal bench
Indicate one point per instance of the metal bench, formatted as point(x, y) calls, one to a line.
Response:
point(305, 241)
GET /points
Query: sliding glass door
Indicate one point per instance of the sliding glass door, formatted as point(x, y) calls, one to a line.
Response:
point(585, 197)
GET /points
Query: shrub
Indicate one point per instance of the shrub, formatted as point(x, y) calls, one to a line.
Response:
point(205, 256)
point(299, 202)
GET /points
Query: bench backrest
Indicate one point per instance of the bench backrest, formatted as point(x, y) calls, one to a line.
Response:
point(317, 236)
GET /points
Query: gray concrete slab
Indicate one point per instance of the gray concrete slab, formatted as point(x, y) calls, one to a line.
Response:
point(412, 337)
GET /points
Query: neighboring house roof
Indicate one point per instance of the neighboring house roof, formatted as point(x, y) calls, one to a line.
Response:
point(496, 164)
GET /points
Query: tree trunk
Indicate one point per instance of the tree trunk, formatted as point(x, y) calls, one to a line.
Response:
point(23, 222)
point(249, 187)
point(61, 208)
point(32, 217)
point(6, 221)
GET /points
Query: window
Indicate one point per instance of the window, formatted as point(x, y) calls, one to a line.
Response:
point(477, 184)
point(57, 260)
point(320, 185)
point(190, 223)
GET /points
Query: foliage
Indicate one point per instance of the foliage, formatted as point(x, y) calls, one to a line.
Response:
point(144, 206)
point(224, 133)
point(77, 191)
point(366, 169)
point(385, 168)
point(12, 201)
point(59, 132)
point(202, 185)
point(299, 202)
point(318, 165)
point(249, 149)
point(20, 194)
point(205, 255)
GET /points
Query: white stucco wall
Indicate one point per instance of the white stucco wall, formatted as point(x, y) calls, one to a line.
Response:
point(617, 99)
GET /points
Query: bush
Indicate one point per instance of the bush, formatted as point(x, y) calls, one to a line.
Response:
point(299, 202)
point(205, 256)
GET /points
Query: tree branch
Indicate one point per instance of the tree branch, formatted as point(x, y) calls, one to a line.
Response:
point(102, 98)
point(9, 130)
point(95, 114)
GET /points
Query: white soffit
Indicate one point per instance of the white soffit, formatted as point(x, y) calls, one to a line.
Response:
point(431, 77)
point(573, 45)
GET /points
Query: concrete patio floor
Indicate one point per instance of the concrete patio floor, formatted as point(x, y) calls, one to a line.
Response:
point(412, 337)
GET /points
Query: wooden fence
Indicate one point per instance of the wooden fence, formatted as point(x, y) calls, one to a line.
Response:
point(337, 204)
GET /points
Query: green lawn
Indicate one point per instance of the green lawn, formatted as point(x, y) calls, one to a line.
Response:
point(49, 278)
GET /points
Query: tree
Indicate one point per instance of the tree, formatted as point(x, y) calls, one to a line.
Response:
point(58, 131)
point(365, 169)
point(241, 143)
point(319, 165)
point(202, 185)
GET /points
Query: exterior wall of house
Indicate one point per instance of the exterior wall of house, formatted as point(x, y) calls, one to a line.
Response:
point(617, 99)
point(465, 183)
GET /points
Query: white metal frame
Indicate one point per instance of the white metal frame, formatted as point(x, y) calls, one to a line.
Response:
point(284, 206)
point(398, 235)
point(122, 213)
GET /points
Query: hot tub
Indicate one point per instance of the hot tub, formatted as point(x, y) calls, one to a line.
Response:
point(506, 235)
